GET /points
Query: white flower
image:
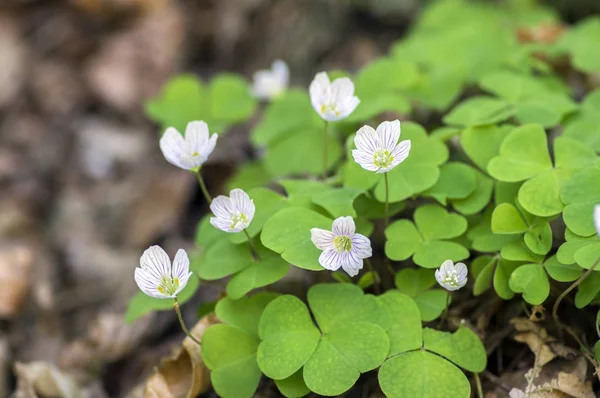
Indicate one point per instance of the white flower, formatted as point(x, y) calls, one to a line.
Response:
point(379, 150)
point(597, 218)
point(451, 276)
point(233, 213)
point(189, 153)
point(157, 278)
point(341, 246)
point(269, 83)
point(332, 100)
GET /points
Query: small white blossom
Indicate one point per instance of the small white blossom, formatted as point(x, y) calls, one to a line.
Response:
point(342, 246)
point(379, 150)
point(332, 100)
point(597, 218)
point(191, 152)
point(269, 83)
point(233, 213)
point(451, 276)
point(157, 278)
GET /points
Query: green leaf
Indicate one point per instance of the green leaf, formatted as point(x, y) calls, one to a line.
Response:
point(539, 238)
point(518, 251)
point(288, 336)
point(248, 176)
point(420, 374)
point(289, 112)
point(142, 304)
point(504, 270)
point(418, 172)
point(580, 42)
point(482, 143)
point(435, 222)
point(462, 347)
point(281, 157)
point(230, 98)
point(433, 253)
point(523, 154)
point(539, 195)
point(587, 256)
point(479, 111)
point(405, 333)
point(532, 281)
point(342, 355)
point(368, 279)
point(403, 240)
point(485, 277)
point(585, 126)
point(338, 202)
point(267, 203)
point(245, 313)
point(230, 354)
point(431, 303)
point(207, 234)
point(293, 386)
point(479, 198)
point(587, 290)
point(288, 232)
point(263, 273)
point(222, 259)
point(457, 181)
point(506, 219)
point(561, 272)
point(414, 281)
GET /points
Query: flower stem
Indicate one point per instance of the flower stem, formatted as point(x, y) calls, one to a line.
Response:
point(445, 314)
point(203, 187)
point(252, 247)
point(569, 289)
point(386, 211)
point(478, 383)
point(182, 323)
point(325, 150)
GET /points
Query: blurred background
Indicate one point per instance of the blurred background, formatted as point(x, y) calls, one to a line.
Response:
point(84, 188)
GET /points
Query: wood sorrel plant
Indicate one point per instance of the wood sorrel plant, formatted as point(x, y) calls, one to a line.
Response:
point(483, 189)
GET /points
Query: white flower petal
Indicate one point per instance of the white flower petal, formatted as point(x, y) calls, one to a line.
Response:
point(282, 72)
point(364, 159)
point(172, 147)
point(361, 246)
point(597, 218)
point(156, 261)
point(322, 239)
point(352, 264)
point(447, 267)
point(146, 284)
point(462, 272)
point(344, 226)
point(319, 89)
point(196, 136)
point(242, 203)
point(348, 106)
point(366, 140)
point(209, 146)
point(341, 89)
point(223, 225)
point(191, 162)
point(389, 133)
point(181, 265)
point(400, 153)
point(182, 283)
point(222, 207)
point(331, 259)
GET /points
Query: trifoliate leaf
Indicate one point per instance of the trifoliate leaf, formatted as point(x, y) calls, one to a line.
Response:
point(462, 347)
point(431, 303)
point(457, 181)
point(480, 111)
point(338, 202)
point(405, 333)
point(506, 219)
point(222, 259)
point(561, 272)
point(504, 270)
point(532, 281)
point(539, 238)
point(262, 273)
point(414, 281)
point(293, 386)
point(479, 198)
point(482, 144)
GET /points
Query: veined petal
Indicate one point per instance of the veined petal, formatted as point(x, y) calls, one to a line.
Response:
point(196, 135)
point(182, 283)
point(365, 160)
point(343, 226)
point(322, 239)
point(146, 283)
point(242, 203)
point(172, 147)
point(223, 224)
point(597, 218)
point(192, 161)
point(352, 264)
point(319, 89)
point(181, 265)
point(401, 152)
point(389, 134)
point(447, 267)
point(361, 246)
point(222, 207)
point(156, 262)
point(461, 271)
point(331, 259)
point(366, 140)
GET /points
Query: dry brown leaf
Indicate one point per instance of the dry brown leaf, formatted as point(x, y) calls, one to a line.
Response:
point(45, 379)
point(184, 373)
point(543, 346)
point(15, 264)
point(566, 385)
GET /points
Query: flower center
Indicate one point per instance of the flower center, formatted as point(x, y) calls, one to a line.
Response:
point(168, 285)
point(237, 218)
point(329, 108)
point(342, 243)
point(195, 154)
point(382, 158)
point(451, 279)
